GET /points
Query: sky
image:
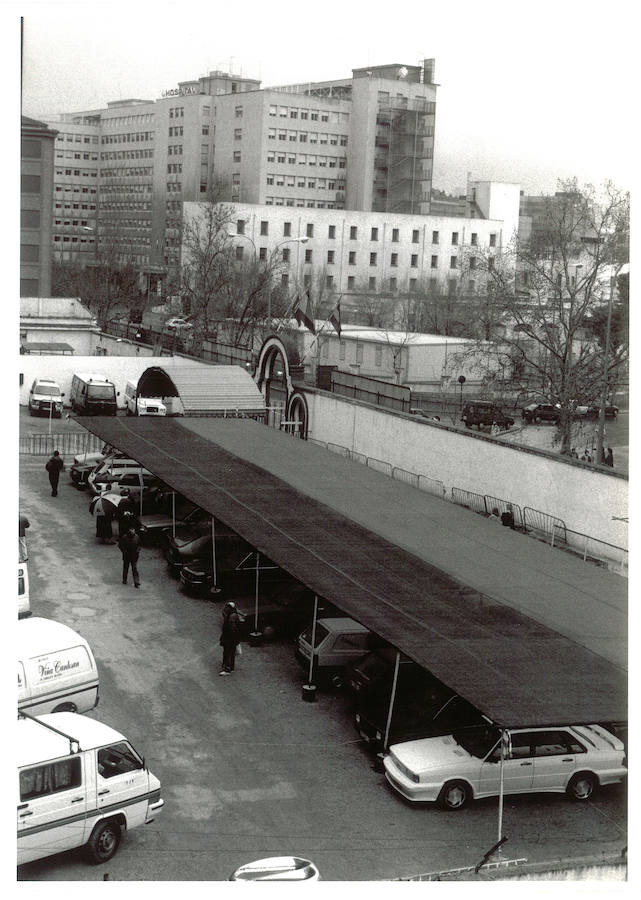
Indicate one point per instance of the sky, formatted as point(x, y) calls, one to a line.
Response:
point(522, 98)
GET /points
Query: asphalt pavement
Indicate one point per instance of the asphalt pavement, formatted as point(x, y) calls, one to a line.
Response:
point(248, 769)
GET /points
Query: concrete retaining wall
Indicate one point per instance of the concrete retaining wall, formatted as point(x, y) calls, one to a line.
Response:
point(588, 500)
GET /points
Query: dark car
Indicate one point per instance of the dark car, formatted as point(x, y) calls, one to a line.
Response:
point(159, 520)
point(373, 672)
point(611, 412)
point(541, 412)
point(485, 413)
point(191, 540)
point(423, 707)
point(285, 613)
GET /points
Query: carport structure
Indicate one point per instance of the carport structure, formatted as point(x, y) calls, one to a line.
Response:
point(204, 390)
point(528, 634)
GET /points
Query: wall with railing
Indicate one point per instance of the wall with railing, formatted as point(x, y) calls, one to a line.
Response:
point(588, 501)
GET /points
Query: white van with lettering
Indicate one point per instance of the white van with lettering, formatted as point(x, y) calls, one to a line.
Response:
point(57, 671)
point(142, 406)
point(80, 783)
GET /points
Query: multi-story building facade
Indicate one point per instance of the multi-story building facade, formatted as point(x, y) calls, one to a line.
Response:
point(36, 207)
point(363, 143)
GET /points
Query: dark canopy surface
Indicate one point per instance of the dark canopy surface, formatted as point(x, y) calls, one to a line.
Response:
point(470, 613)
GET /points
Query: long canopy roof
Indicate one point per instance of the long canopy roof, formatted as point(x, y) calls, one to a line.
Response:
point(526, 633)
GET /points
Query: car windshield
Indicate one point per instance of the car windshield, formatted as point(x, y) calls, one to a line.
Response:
point(48, 390)
point(321, 634)
point(101, 391)
point(477, 741)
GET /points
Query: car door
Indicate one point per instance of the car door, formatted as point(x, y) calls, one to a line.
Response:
point(121, 776)
point(557, 756)
point(52, 807)
point(518, 766)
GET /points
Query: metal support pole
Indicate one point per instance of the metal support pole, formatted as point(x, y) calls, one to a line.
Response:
point(256, 598)
point(500, 827)
point(214, 588)
point(311, 657)
point(173, 513)
point(392, 699)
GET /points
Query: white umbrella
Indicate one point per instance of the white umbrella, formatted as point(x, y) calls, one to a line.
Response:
point(105, 504)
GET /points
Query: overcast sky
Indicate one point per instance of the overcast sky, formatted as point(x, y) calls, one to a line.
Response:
point(523, 97)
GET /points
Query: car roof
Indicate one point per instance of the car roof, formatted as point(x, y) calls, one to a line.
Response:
point(344, 624)
point(45, 381)
point(36, 744)
point(36, 636)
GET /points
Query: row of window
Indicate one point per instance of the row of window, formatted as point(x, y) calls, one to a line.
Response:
point(127, 154)
point(69, 189)
point(77, 138)
point(69, 154)
point(118, 121)
point(84, 173)
point(176, 130)
point(306, 159)
point(305, 137)
point(374, 283)
point(300, 202)
point(313, 115)
point(59, 239)
point(82, 222)
point(300, 181)
point(120, 205)
point(175, 150)
point(174, 168)
point(126, 189)
point(128, 171)
point(89, 206)
point(373, 236)
point(176, 112)
point(128, 138)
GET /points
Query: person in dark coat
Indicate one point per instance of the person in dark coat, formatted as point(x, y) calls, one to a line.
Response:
point(609, 460)
point(129, 545)
point(54, 467)
point(229, 637)
point(507, 518)
point(126, 513)
point(103, 526)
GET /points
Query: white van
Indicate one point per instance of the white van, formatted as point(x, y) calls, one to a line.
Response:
point(142, 406)
point(57, 671)
point(24, 606)
point(80, 782)
point(45, 396)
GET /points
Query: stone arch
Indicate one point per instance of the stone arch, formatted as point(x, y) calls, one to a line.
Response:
point(273, 354)
point(297, 415)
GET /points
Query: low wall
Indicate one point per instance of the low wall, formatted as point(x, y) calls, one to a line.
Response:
point(588, 500)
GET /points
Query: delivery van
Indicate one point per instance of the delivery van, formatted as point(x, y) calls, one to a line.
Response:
point(80, 783)
point(57, 671)
point(93, 395)
point(142, 406)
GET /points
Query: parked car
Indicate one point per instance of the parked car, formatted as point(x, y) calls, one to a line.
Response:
point(93, 458)
point(177, 323)
point(541, 412)
point(423, 707)
point(465, 765)
point(485, 413)
point(611, 412)
point(191, 540)
point(45, 397)
point(282, 612)
point(111, 471)
point(137, 483)
point(373, 672)
point(153, 524)
point(337, 642)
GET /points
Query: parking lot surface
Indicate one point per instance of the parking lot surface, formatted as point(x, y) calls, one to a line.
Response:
point(248, 769)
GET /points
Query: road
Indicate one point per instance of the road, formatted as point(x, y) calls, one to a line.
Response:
point(248, 769)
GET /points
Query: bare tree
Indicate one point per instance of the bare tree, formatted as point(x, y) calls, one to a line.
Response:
point(549, 306)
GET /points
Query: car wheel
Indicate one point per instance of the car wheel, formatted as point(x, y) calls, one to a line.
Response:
point(104, 842)
point(581, 787)
point(453, 795)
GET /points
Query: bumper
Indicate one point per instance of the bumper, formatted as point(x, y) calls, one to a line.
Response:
point(152, 810)
point(411, 790)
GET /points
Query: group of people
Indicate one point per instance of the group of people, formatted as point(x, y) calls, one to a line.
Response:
point(129, 544)
point(607, 459)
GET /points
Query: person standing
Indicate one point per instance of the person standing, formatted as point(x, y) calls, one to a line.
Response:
point(54, 467)
point(609, 460)
point(126, 513)
point(129, 545)
point(103, 525)
point(229, 637)
point(23, 524)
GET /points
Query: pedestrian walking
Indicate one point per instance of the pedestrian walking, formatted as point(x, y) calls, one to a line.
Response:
point(23, 524)
point(54, 467)
point(126, 513)
point(129, 545)
point(609, 460)
point(229, 637)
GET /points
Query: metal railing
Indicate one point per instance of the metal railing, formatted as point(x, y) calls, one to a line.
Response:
point(543, 523)
point(70, 442)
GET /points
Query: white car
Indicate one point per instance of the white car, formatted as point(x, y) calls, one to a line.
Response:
point(178, 322)
point(465, 765)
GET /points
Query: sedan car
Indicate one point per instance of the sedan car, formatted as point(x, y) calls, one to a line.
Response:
point(456, 768)
point(178, 323)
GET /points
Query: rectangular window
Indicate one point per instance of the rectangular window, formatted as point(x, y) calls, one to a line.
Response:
point(331, 232)
point(454, 238)
point(262, 253)
point(330, 257)
point(30, 218)
point(493, 239)
point(30, 184)
point(374, 236)
point(308, 256)
point(434, 263)
point(240, 226)
point(474, 239)
point(284, 279)
point(29, 252)
point(50, 778)
point(394, 259)
point(372, 259)
point(353, 232)
point(395, 235)
point(239, 252)
point(378, 355)
point(310, 230)
point(415, 236)
point(372, 283)
point(435, 237)
point(238, 133)
point(236, 155)
point(352, 258)
point(205, 130)
point(286, 254)
point(238, 112)
point(329, 281)
point(453, 262)
point(350, 282)
point(264, 228)
point(392, 284)
point(287, 229)
point(413, 284)
point(414, 260)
